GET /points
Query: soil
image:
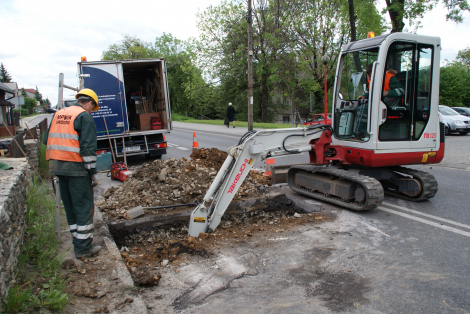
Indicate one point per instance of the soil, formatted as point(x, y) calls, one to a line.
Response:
point(173, 181)
point(155, 249)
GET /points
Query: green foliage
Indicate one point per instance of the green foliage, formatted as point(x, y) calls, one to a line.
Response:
point(38, 285)
point(29, 103)
point(129, 48)
point(37, 95)
point(413, 10)
point(464, 57)
point(454, 83)
point(23, 112)
point(5, 77)
point(43, 168)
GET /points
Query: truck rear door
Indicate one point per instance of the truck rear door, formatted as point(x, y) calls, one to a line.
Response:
point(106, 79)
point(167, 96)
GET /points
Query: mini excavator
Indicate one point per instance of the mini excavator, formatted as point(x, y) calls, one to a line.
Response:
point(358, 159)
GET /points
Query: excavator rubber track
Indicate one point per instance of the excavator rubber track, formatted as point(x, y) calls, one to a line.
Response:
point(374, 192)
point(427, 180)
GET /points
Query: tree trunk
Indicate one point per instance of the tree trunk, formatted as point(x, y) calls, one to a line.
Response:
point(264, 98)
point(352, 20)
point(395, 10)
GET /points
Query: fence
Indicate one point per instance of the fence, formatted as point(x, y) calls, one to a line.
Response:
point(15, 145)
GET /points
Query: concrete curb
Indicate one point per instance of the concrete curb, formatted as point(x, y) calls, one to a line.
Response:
point(120, 269)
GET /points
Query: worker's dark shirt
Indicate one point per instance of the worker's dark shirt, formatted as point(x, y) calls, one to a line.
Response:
point(85, 126)
point(396, 89)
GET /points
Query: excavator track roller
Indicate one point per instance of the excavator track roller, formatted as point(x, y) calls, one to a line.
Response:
point(340, 187)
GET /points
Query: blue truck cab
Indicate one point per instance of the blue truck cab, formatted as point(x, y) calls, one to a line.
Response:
point(134, 105)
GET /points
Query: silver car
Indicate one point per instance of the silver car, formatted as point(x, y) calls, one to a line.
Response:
point(454, 121)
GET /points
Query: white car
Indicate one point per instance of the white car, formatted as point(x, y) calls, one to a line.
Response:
point(454, 121)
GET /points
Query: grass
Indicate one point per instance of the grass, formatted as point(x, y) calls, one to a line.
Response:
point(241, 124)
point(38, 284)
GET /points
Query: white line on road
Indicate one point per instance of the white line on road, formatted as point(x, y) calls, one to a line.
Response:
point(176, 146)
point(427, 215)
point(425, 221)
point(374, 228)
point(182, 148)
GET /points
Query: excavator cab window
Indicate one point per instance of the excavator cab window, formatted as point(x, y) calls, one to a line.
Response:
point(406, 91)
point(351, 114)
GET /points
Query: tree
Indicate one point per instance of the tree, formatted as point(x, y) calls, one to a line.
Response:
point(129, 48)
point(412, 10)
point(5, 77)
point(464, 57)
point(29, 103)
point(37, 95)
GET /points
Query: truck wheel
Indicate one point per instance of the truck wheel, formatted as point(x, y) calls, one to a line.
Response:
point(463, 133)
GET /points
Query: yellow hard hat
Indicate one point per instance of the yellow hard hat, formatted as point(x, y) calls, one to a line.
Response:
point(90, 94)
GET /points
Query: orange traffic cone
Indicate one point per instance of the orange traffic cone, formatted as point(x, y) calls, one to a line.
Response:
point(195, 143)
point(269, 161)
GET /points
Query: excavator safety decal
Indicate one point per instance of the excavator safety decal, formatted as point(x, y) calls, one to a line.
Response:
point(242, 169)
point(199, 219)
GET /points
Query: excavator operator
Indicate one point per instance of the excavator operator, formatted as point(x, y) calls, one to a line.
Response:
point(392, 87)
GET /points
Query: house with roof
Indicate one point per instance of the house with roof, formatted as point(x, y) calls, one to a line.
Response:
point(5, 94)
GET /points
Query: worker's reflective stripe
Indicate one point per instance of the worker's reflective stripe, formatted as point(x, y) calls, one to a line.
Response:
point(89, 158)
point(83, 236)
point(90, 166)
point(399, 91)
point(73, 227)
point(85, 228)
point(74, 234)
point(63, 135)
point(64, 148)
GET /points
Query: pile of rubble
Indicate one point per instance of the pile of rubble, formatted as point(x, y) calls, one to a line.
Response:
point(173, 181)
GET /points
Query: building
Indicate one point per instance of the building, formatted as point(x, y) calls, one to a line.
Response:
point(5, 94)
point(18, 99)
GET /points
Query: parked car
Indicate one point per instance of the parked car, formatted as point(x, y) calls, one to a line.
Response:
point(454, 121)
point(318, 118)
point(464, 111)
point(50, 110)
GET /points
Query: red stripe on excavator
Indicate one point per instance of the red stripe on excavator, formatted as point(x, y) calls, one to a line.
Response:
point(370, 159)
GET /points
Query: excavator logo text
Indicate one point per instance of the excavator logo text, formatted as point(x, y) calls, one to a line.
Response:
point(237, 177)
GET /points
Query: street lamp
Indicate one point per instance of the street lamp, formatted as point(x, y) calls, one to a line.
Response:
point(325, 60)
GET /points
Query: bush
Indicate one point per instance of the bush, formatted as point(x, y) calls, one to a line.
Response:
point(22, 112)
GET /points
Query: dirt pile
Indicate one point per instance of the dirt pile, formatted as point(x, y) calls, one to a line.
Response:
point(173, 181)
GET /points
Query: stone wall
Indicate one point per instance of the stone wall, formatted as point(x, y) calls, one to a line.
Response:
point(31, 150)
point(13, 188)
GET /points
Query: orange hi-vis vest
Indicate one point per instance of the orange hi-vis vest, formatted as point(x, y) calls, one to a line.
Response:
point(388, 76)
point(62, 141)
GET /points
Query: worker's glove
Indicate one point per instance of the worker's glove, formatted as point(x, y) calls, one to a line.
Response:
point(94, 181)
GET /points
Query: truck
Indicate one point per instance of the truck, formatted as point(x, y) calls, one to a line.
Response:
point(134, 105)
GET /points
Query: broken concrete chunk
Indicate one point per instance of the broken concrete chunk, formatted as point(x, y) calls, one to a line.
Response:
point(134, 212)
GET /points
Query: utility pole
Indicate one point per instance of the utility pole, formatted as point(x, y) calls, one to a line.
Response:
point(250, 67)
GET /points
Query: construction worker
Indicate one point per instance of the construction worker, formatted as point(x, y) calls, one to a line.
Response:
point(71, 151)
point(392, 87)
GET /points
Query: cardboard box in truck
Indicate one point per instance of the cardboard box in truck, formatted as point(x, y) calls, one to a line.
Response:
point(131, 93)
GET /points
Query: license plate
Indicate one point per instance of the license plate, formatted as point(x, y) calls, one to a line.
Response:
point(132, 148)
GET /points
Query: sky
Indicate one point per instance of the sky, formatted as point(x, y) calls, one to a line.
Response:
point(40, 39)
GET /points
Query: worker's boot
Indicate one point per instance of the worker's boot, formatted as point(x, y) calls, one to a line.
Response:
point(94, 251)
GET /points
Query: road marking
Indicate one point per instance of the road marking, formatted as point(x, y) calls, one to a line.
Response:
point(176, 146)
point(425, 221)
point(374, 228)
point(427, 215)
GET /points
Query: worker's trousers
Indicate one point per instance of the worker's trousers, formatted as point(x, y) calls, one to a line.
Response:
point(77, 196)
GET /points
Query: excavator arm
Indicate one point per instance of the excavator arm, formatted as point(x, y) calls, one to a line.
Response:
point(253, 146)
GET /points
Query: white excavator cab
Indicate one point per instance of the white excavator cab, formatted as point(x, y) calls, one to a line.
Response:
point(394, 107)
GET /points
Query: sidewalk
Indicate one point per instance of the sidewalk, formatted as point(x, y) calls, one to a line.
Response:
point(33, 120)
point(220, 129)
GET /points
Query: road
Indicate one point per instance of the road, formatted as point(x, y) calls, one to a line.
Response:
point(415, 255)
